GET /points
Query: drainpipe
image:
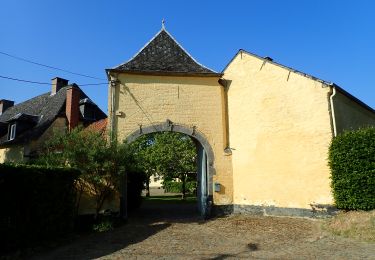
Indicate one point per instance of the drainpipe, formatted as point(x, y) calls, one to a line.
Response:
point(224, 84)
point(333, 110)
point(112, 92)
point(113, 81)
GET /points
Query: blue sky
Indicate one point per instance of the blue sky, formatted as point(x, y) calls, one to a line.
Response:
point(332, 40)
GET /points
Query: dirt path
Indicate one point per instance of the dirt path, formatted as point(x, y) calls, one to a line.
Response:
point(174, 232)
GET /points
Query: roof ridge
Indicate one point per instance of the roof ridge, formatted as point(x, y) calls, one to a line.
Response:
point(279, 65)
point(144, 46)
point(155, 60)
point(179, 45)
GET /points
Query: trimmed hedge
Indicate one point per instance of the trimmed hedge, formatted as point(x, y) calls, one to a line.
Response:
point(352, 163)
point(176, 187)
point(36, 202)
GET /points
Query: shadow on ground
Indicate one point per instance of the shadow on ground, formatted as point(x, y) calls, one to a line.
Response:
point(143, 223)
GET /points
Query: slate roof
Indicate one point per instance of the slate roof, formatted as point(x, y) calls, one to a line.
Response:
point(45, 107)
point(164, 55)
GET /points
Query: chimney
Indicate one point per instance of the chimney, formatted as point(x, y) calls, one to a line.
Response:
point(72, 106)
point(57, 84)
point(5, 104)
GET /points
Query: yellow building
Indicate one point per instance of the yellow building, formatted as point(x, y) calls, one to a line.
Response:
point(262, 129)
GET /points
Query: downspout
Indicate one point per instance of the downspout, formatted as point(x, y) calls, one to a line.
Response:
point(113, 81)
point(224, 84)
point(333, 110)
point(112, 91)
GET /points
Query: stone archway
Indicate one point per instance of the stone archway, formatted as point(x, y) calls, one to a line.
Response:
point(205, 169)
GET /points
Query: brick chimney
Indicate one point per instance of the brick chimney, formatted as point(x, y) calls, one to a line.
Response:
point(72, 106)
point(5, 104)
point(57, 84)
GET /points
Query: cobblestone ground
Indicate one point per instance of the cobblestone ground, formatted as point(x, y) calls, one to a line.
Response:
point(176, 232)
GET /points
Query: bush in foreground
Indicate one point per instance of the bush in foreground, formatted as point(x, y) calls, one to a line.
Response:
point(352, 163)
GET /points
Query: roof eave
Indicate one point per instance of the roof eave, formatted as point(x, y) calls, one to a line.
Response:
point(351, 97)
point(166, 73)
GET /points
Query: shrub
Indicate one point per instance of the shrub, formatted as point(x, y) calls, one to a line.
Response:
point(103, 226)
point(36, 203)
point(352, 163)
point(176, 187)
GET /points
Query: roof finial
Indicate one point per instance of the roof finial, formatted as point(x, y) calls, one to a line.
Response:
point(163, 24)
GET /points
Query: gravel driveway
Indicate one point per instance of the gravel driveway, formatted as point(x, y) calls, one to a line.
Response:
point(175, 232)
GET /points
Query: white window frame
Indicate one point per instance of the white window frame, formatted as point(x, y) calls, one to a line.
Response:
point(12, 132)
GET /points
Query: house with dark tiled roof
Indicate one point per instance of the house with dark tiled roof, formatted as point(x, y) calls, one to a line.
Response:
point(262, 129)
point(24, 127)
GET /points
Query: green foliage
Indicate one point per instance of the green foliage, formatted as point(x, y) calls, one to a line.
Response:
point(176, 186)
point(102, 163)
point(352, 163)
point(36, 203)
point(167, 154)
point(103, 226)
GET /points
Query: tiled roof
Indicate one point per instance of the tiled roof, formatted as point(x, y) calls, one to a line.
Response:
point(163, 54)
point(46, 107)
point(99, 126)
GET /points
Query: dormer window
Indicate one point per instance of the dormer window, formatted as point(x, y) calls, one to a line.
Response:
point(12, 131)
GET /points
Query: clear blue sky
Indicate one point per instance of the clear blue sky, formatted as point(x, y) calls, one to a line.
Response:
point(332, 40)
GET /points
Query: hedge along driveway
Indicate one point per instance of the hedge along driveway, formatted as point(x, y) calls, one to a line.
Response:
point(352, 162)
point(36, 203)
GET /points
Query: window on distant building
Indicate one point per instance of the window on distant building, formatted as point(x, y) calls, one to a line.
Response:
point(12, 132)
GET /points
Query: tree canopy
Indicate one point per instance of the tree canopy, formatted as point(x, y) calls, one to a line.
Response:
point(101, 162)
point(168, 154)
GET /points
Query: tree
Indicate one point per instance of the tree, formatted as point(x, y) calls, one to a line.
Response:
point(101, 162)
point(169, 154)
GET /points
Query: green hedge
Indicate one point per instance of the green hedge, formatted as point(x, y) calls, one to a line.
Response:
point(176, 187)
point(36, 203)
point(352, 163)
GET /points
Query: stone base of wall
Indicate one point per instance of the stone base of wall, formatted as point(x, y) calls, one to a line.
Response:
point(317, 211)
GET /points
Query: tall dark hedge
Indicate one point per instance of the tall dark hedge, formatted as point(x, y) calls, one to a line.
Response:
point(37, 203)
point(352, 163)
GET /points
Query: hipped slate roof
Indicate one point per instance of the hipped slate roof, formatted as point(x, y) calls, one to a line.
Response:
point(46, 107)
point(163, 55)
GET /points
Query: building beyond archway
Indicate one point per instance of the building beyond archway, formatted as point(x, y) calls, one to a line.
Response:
point(205, 160)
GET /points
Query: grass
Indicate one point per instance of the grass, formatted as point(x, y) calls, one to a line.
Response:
point(353, 224)
point(171, 199)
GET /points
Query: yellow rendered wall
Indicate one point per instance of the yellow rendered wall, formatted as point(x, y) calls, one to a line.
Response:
point(349, 115)
point(190, 101)
point(12, 154)
point(20, 153)
point(58, 126)
point(280, 130)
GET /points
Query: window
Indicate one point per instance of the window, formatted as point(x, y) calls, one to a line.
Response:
point(12, 132)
